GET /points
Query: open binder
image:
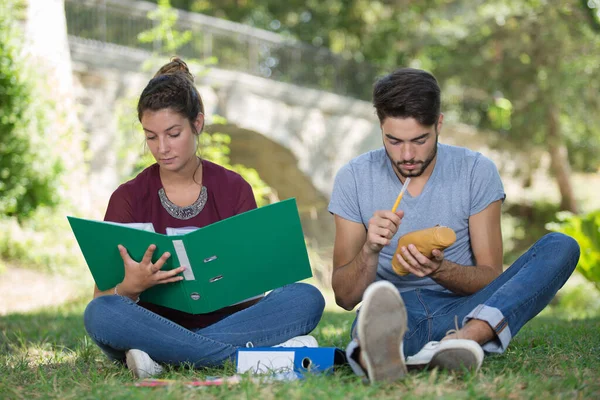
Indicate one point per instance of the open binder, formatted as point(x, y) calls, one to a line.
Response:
point(228, 261)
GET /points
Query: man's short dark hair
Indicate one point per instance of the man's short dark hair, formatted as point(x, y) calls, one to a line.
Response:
point(408, 93)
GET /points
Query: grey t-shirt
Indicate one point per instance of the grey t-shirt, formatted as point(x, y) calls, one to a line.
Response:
point(463, 183)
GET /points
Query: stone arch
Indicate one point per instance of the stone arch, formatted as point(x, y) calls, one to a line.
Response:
point(278, 167)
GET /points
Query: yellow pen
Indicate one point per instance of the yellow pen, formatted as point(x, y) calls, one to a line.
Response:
point(404, 187)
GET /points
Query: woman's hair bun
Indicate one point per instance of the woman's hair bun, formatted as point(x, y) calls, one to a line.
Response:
point(175, 66)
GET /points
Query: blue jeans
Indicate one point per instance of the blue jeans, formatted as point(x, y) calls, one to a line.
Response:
point(506, 304)
point(116, 324)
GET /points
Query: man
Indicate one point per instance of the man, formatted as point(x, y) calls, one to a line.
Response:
point(414, 315)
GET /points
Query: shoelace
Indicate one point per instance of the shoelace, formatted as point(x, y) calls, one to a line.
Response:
point(456, 329)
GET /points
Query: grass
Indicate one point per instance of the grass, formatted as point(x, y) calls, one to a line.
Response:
point(46, 354)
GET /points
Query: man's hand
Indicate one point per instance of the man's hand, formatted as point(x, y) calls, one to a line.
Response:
point(382, 227)
point(143, 275)
point(419, 265)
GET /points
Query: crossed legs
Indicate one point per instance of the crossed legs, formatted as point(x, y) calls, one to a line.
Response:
point(490, 317)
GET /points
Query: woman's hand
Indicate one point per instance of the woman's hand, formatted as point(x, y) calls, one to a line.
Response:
point(143, 275)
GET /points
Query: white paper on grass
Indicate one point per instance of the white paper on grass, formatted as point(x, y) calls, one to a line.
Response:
point(264, 362)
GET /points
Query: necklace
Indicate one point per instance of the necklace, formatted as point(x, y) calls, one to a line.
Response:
point(186, 212)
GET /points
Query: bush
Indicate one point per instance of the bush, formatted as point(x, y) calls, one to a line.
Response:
point(586, 230)
point(33, 243)
point(27, 168)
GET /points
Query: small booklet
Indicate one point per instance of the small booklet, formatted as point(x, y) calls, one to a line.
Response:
point(229, 261)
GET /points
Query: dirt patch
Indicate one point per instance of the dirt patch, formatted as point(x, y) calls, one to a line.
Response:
point(25, 290)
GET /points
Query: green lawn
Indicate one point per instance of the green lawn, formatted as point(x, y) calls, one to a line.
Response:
point(46, 354)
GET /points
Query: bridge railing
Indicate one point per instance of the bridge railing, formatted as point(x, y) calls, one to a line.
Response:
point(237, 47)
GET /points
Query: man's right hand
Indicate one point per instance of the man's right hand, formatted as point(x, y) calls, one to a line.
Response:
point(382, 227)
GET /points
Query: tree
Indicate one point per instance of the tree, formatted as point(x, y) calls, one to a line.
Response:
point(27, 169)
point(529, 71)
point(47, 50)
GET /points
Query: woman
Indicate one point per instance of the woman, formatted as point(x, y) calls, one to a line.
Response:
point(182, 190)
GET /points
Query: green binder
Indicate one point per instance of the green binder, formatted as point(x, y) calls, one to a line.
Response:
point(230, 261)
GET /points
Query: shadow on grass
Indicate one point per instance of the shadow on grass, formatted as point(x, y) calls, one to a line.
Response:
point(60, 327)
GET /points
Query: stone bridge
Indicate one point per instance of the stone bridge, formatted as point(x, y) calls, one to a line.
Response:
point(296, 137)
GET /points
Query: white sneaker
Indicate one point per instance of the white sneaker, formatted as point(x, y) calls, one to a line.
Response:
point(141, 364)
point(451, 355)
point(300, 341)
point(382, 322)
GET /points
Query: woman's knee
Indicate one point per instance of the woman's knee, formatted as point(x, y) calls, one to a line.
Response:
point(98, 312)
point(314, 298)
point(311, 298)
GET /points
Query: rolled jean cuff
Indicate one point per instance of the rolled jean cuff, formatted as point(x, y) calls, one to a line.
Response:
point(499, 324)
point(350, 349)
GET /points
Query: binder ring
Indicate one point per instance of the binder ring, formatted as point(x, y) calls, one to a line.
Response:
point(209, 259)
point(216, 278)
point(306, 363)
point(195, 296)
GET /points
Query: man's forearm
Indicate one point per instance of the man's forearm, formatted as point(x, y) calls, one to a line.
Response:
point(462, 279)
point(350, 281)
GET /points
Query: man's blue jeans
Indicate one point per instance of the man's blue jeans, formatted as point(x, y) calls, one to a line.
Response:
point(117, 324)
point(506, 304)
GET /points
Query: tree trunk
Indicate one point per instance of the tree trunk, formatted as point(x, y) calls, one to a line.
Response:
point(560, 162)
point(47, 47)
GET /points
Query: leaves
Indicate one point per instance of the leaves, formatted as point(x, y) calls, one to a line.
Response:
point(586, 230)
point(28, 169)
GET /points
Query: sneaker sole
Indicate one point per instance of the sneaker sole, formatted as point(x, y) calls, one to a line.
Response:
point(381, 334)
point(458, 359)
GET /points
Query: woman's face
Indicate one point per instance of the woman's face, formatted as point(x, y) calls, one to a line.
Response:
point(170, 138)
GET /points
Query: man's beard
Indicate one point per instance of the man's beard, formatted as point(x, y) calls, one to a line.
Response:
point(416, 172)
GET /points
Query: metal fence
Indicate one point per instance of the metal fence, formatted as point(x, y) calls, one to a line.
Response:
point(237, 47)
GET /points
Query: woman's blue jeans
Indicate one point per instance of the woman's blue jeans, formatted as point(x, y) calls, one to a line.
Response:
point(506, 304)
point(116, 324)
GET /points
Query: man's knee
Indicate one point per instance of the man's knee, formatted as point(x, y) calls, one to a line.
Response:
point(566, 247)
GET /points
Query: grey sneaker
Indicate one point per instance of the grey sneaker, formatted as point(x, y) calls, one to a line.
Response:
point(451, 355)
point(300, 341)
point(141, 364)
point(382, 322)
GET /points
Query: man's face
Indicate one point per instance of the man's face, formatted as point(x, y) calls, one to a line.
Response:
point(410, 146)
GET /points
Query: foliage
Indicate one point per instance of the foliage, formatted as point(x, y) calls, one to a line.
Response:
point(523, 224)
point(576, 301)
point(213, 147)
point(28, 168)
point(171, 39)
point(33, 243)
point(532, 54)
point(586, 230)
